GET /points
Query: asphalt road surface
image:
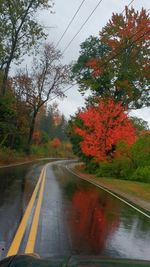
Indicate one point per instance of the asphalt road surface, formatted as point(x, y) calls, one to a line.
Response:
point(46, 209)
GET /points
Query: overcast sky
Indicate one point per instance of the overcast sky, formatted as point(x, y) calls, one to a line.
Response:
point(64, 11)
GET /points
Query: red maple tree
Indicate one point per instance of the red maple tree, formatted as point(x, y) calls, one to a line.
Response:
point(103, 126)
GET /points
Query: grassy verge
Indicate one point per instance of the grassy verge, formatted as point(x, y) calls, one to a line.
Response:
point(136, 192)
point(10, 156)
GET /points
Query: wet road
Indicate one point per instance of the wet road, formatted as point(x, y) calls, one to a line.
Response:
point(71, 216)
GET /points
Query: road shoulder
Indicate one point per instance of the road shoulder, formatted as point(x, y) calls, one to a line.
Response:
point(131, 191)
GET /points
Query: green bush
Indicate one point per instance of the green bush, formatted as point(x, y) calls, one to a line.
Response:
point(142, 174)
point(140, 152)
point(8, 155)
point(122, 168)
point(105, 169)
point(39, 150)
point(91, 166)
point(119, 168)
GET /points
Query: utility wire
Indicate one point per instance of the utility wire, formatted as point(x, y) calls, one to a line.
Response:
point(86, 22)
point(70, 23)
point(82, 26)
point(64, 91)
point(128, 6)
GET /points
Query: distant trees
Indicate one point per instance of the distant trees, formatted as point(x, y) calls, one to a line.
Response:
point(48, 127)
point(20, 31)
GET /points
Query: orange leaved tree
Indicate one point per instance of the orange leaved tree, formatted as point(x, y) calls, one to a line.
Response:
point(104, 125)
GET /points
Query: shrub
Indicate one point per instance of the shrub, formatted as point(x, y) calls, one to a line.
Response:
point(142, 174)
point(8, 155)
point(39, 150)
point(122, 168)
point(105, 169)
point(140, 151)
point(91, 166)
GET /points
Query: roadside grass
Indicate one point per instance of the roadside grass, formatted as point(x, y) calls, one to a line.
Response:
point(12, 156)
point(9, 156)
point(137, 190)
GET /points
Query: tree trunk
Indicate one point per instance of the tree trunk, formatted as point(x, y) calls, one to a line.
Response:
point(6, 70)
point(5, 78)
point(28, 150)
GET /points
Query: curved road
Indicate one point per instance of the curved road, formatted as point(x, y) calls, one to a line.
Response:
point(48, 210)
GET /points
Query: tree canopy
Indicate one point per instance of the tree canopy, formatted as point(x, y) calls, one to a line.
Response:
point(104, 125)
point(117, 63)
point(20, 30)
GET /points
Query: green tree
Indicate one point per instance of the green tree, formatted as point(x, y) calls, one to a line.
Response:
point(19, 31)
point(91, 48)
point(14, 121)
point(128, 37)
point(139, 124)
point(8, 116)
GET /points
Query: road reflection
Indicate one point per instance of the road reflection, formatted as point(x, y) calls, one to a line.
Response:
point(89, 219)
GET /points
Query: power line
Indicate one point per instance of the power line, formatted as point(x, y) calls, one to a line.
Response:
point(70, 23)
point(64, 91)
point(82, 26)
point(128, 6)
point(86, 22)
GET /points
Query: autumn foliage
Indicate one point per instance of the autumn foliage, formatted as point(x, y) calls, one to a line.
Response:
point(118, 65)
point(133, 26)
point(103, 126)
point(36, 137)
point(56, 143)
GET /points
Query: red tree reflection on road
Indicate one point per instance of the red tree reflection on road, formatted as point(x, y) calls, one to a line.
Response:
point(92, 221)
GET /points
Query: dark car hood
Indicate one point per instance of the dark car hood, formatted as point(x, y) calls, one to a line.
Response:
point(74, 261)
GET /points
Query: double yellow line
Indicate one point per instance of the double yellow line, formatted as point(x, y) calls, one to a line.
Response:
point(13, 250)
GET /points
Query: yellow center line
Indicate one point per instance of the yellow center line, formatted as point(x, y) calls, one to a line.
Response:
point(34, 227)
point(21, 229)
